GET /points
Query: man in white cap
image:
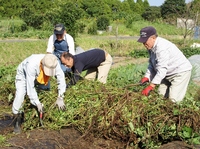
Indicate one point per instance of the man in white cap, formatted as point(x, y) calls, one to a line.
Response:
point(168, 67)
point(36, 69)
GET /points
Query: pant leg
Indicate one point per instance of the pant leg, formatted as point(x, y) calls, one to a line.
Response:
point(20, 84)
point(91, 74)
point(163, 88)
point(179, 86)
point(104, 69)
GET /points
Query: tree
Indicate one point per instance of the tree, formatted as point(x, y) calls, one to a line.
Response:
point(140, 5)
point(187, 18)
point(171, 8)
point(69, 14)
point(152, 13)
point(95, 8)
point(35, 13)
point(125, 7)
point(102, 22)
point(10, 8)
point(146, 4)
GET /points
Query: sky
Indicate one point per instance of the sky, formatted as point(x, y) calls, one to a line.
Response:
point(160, 2)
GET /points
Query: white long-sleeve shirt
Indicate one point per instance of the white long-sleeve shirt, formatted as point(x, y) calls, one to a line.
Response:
point(165, 60)
point(67, 37)
point(30, 69)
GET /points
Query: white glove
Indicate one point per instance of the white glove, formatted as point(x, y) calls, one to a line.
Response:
point(60, 103)
point(40, 107)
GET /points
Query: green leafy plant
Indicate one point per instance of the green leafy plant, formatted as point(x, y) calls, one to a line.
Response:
point(103, 22)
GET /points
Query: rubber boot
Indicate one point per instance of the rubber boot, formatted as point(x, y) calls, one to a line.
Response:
point(18, 119)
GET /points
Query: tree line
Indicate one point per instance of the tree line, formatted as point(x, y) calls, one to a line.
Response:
point(42, 14)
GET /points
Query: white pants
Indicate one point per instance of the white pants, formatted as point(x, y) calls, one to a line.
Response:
point(175, 86)
point(20, 84)
point(102, 70)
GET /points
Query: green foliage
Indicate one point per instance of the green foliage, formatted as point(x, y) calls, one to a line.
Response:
point(172, 9)
point(7, 77)
point(118, 112)
point(186, 51)
point(131, 19)
point(43, 15)
point(2, 140)
point(194, 7)
point(139, 53)
point(134, 73)
point(152, 13)
point(190, 51)
point(103, 22)
point(69, 15)
point(112, 110)
point(15, 28)
point(92, 29)
point(95, 8)
point(35, 13)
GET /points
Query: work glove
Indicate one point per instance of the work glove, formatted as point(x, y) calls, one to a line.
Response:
point(60, 103)
point(144, 80)
point(40, 107)
point(147, 90)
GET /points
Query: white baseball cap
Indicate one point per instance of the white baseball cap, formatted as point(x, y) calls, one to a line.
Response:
point(49, 64)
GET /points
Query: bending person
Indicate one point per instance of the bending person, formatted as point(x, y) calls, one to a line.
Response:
point(94, 61)
point(36, 69)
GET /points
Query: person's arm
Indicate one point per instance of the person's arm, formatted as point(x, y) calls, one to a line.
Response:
point(60, 81)
point(70, 42)
point(50, 45)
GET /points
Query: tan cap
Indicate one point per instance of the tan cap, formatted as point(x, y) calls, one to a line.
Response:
point(49, 64)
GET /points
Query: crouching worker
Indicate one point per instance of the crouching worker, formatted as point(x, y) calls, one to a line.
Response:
point(36, 68)
point(168, 67)
point(94, 61)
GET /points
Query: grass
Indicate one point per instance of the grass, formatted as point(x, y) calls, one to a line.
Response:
point(12, 53)
point(2, 140)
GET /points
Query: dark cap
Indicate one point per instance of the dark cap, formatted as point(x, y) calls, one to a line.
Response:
point(59, 29)
point(145, 33)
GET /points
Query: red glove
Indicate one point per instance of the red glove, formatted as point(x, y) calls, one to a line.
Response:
point(147, 90)
point(144, 80)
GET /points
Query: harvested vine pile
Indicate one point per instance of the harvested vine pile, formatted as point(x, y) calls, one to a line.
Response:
point(114, 111)
point(119, 114)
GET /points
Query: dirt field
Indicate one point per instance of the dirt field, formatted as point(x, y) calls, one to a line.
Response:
point(69, 138)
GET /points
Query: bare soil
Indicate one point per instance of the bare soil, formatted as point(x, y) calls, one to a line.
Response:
point(69, 138)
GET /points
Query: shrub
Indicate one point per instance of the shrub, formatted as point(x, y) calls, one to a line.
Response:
point(92, 29)
point(102, 22)
point(190, 51)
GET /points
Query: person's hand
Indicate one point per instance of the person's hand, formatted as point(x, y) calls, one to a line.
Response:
point(60, 103)
point(40, 107)
point(147, 90)
point(144, 80)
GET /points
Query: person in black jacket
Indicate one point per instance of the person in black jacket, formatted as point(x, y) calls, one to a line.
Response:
point(95, 61)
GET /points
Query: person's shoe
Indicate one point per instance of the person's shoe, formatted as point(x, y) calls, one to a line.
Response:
point(18, 119)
